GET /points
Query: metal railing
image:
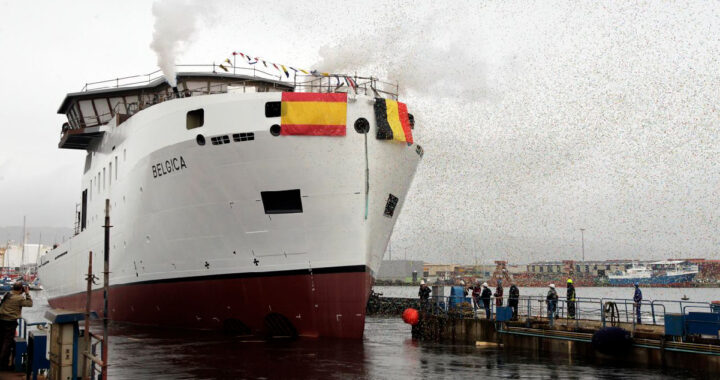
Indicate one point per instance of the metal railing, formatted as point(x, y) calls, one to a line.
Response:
point(652, 312)
point(369, 86)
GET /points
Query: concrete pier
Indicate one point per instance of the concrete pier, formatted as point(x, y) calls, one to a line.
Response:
point(571, 339)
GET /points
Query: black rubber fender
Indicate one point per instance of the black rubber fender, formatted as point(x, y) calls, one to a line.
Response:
point(612, 341)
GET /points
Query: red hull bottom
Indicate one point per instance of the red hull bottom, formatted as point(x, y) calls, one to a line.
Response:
point(323, 304)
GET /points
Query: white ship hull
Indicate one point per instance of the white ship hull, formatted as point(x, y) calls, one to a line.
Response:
point(184, 213)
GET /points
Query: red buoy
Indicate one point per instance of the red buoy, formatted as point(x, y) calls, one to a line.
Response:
point(411, 316)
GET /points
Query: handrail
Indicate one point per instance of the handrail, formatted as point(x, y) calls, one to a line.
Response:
point(296, 80)
point(652, 312)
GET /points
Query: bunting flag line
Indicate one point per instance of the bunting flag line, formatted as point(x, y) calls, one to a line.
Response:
point(351, 83)
point(314, 114)
point(392, 120)
point(223, 67)
point(279, 67)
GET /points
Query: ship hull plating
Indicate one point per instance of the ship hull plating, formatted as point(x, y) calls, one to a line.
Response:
point(328, 303)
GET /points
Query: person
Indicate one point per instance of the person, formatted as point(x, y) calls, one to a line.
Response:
point(10, 312)
point(476, 290)
point(499, 294)
point(466, 289)
point(424, 294)
point(571, 298)
point(552, 299)
point(513, 300)
point(637, 298)
point(485, 297)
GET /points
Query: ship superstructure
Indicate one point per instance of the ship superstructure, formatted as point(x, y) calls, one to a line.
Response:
point(239, 200)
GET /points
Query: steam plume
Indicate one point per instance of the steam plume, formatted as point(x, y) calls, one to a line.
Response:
point(175, 26)
point(423, 55)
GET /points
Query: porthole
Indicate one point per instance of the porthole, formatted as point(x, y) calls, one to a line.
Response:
point(275, 130)
point(362, 125)
point(411, 119)
point(200, 139)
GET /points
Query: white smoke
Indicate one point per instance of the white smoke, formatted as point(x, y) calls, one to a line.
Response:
point(175, 25)
point(424, 52)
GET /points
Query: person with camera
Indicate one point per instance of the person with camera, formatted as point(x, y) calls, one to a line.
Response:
point(10, 312)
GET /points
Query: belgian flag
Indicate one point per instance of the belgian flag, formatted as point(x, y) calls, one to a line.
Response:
point(315, 114)
point(392, 120)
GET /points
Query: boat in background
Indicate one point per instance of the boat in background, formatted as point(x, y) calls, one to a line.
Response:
point(662, 273)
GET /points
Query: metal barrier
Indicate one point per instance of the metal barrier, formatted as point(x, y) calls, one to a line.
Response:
point(651, 312)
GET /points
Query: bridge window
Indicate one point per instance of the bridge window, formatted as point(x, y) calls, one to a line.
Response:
point(195, 118)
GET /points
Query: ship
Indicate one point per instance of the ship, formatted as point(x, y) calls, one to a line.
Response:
point(238, 200)
point(660, 273)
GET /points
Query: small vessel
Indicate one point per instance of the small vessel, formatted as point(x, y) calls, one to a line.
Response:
point(668, 273)
point(636, 273)
point(237, 199)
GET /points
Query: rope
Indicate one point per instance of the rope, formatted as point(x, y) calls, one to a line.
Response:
point(612, 311)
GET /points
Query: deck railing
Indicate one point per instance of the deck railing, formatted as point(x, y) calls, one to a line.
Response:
point(369, 86)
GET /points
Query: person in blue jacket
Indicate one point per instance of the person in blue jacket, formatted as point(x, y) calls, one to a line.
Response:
point(638, 301)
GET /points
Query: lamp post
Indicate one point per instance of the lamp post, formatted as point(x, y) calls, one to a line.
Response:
point(582, 237)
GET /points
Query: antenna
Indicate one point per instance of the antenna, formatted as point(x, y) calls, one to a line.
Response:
point(24, 240)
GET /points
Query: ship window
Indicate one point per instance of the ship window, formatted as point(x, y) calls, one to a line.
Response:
point(272, 109)
point(237, 137)
point(116, 167)
point(195, 118)
point(390, 205)
point(219, 140)
point(282, 202)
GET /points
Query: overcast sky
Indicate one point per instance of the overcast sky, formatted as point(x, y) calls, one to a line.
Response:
point(537, 119)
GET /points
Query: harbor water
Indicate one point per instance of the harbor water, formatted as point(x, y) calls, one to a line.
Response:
point(386, 352)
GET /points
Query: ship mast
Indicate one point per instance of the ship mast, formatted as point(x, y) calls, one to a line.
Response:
point(24, 240)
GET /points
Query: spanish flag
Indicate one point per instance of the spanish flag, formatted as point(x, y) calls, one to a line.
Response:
point(316, 114)
point(392, 119)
